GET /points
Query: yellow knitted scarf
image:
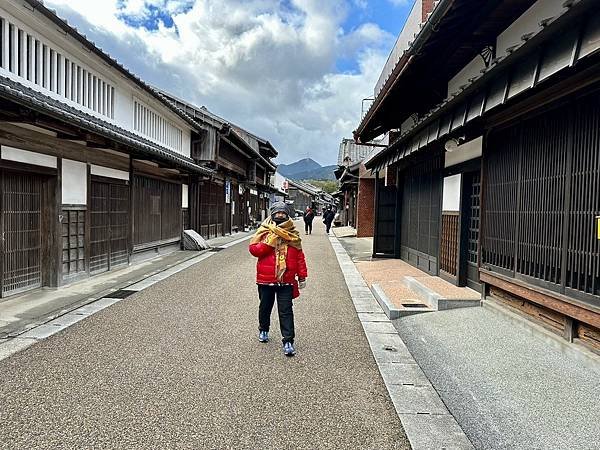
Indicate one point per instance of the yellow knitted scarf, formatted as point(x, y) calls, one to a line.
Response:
point(278, 237)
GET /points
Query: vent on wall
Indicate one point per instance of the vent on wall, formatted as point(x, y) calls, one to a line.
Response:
point(152, 125)
point(29, 58)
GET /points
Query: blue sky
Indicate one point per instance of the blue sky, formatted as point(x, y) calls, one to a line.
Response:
point(291, 71)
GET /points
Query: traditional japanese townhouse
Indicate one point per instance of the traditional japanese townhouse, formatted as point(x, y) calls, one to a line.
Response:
point(302, 195)
point(493, 180)
point(94, 163)
point(237, 196)
point(357, 187)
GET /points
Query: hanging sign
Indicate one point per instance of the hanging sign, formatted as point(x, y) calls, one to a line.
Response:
point(598, 225)
point(253, 192)
point(241, 189)
point(227, 192)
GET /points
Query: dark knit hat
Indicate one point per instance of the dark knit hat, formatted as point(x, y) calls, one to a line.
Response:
point(279, 207)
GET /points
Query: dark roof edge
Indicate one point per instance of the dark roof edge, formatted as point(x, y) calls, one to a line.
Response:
point(426, 31)
point(503, 63)
point(37, 101)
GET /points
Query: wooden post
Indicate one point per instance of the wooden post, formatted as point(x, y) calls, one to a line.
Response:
point(569, 332)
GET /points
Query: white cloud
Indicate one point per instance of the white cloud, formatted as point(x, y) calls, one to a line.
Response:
point(266, 65)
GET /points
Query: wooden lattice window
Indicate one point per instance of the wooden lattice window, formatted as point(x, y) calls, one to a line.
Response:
point(449, 244)
point(73, 242)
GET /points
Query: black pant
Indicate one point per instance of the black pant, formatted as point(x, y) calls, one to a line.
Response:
point(266, 294)
point(327, 226)
point(308, 227)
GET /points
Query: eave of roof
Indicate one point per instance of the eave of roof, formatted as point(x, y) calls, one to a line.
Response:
point(452, 36)
point(39, 102)
point(425, 32)
point(473, 100)
point(37, 5)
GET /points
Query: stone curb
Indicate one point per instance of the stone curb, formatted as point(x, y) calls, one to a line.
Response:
point(435, 300)
point(388, 307)
point(53, 325)
point(426, 420)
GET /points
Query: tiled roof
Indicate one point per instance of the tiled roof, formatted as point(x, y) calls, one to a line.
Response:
point(37, 101)
point(353, 151)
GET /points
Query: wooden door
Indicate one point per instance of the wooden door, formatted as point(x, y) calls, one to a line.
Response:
point(385, 219)
point(109, 221)
point(21, 204)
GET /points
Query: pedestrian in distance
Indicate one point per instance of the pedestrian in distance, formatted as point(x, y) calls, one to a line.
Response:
point(328, 218)
point(309, 215)
point(280, 272)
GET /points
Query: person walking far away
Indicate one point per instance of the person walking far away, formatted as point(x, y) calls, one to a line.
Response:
point(328, 218)
point(280, 271)
point(309, 215)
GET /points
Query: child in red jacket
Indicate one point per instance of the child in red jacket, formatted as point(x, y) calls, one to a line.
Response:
point(278, 247)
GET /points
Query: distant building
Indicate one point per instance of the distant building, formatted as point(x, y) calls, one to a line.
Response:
point(356, 187)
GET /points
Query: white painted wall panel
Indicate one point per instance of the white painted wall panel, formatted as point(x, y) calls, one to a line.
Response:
point(451, 200)
point(24, 156)
point(465, 152)
point(527, 23)
point(184, 196)
point(74, 182)
point(470, 70)
point(109, 173)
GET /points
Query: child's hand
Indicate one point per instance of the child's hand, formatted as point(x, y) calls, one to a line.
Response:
point(301, 283)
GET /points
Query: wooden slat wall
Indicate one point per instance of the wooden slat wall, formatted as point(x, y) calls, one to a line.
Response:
point(541, 212)
point(119, 224)
point(156, 209)
point(583, 252)
point(541, 189)
point(22, 228)
point(421, 204)
point(99, 227)
point(501, 193)
point(449, 242)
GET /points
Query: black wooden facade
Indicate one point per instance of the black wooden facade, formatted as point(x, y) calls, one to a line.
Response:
point(526, 232)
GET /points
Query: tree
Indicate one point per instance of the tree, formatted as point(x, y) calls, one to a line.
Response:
point(329, 186)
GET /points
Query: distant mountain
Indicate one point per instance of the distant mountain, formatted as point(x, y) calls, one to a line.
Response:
point(306, 169)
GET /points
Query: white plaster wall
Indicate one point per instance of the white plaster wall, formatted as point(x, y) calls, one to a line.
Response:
point(109, 173)
point(41, 28)
point(528, 22)
point(74, 182)
point(184, 196)
point(24, 156)
point(186, 147)
point(408, 123)
point(451, 199)
point(410, 28)
point(470, 70)
point(465, 152)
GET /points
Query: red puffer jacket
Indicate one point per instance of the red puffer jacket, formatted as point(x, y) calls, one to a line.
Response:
point(265, 266)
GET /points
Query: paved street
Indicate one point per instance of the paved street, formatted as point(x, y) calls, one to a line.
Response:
point(506, 387)
point(178, 366)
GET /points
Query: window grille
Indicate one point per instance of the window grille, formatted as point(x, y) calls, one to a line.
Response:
point(25, 56)
point(152, 125)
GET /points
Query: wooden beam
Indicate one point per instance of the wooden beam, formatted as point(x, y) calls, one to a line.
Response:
point(556, 302)
point(14, 136)
point(147, 170)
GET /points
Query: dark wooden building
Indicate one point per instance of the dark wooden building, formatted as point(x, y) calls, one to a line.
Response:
point(492, 179)
point(236, 197)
